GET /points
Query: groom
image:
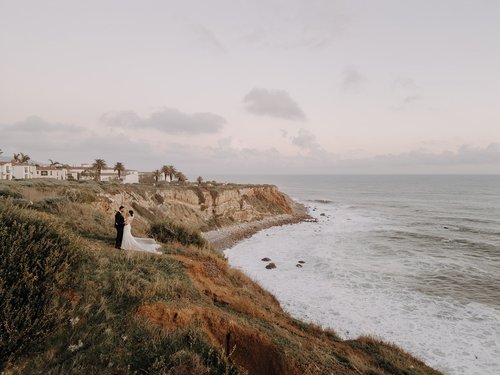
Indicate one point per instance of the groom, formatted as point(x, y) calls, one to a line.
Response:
point(119, 225)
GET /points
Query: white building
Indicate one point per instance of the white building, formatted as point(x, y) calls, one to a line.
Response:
point(51, 172)
point(128, 176)
point(23, 171)
point(131, 177)
point(77, 172)
point(5, 170)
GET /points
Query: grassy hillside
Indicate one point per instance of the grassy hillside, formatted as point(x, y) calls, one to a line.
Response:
point(72, 304)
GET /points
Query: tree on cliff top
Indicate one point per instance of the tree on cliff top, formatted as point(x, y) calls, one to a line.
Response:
point(21, 158)
point(181, 177)
point(99, 165)
point(119, 167)
point(171, 172)
point(156, 175)
point(166, 171)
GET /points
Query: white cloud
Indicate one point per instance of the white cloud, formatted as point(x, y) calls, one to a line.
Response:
point(292, 24)
point(405, 84)
point(274, 103)
point(207, 37)
point(37, 124)
point(352, 80)
point(306, 140)
point(171, 121)
point(42, 140)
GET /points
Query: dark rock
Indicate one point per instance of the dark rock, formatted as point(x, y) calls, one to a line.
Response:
point(270, 266)
point(301, 262)
point(266, 259)
point(311, 220)
point(445, 227)
point(298, 265)
point(322, 214)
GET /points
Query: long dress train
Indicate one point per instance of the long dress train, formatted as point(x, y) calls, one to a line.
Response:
point(130, 242)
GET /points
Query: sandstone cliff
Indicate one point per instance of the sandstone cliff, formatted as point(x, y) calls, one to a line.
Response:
point(205, 207)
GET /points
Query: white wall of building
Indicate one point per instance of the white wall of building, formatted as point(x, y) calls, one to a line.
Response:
point(5, 171)
point(51, 172)
point(131, 177)
point(23, 171)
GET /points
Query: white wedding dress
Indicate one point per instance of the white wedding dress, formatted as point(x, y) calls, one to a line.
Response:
point(130, 242)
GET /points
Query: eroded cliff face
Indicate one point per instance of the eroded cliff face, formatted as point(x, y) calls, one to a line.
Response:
point(204, 207)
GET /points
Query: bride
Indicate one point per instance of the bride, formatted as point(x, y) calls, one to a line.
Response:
point(130, 242)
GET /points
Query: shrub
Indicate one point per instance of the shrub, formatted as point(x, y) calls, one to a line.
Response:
point(10, 194)
point(80, 195)
point(36, 258)
point(158, 198)
point(201, 196)
point(51, 204)
point(169, 231)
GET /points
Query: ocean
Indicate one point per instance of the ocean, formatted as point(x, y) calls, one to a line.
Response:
point(413, 260)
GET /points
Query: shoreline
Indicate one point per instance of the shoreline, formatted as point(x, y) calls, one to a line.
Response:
point(226, 237)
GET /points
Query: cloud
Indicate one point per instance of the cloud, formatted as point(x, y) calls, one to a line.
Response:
point(411, 98)
point(36, 124)
point(67, 143)
point(208, 38)
point(405, 84)
point(306, 140)
point(293, 24)
point(466, 159)
point(352, 80)
point(171, 121)
point(408, 93)
point(43, 139)
point(274, 103)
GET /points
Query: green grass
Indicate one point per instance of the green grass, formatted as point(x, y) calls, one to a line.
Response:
point(36, 261)
point(94, 310)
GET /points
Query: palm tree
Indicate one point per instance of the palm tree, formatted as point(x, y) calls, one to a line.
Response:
point(199, 180)
point(165, 170)
point(171, 172)
point(54, 163)
point(181, 177)
point(25, 158)
point(119, 167)
point(21, 158)
point(156, 175)
point(99, 165)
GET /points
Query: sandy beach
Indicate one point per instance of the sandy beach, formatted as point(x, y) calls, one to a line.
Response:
point(226, 237)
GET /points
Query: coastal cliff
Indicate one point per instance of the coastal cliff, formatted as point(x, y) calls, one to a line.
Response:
point(205, 207)
point(95, 310)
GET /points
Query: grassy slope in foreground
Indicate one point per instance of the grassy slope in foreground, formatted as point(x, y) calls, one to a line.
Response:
point(117, 312)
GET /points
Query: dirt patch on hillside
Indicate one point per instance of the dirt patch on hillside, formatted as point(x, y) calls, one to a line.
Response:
point(245, 346)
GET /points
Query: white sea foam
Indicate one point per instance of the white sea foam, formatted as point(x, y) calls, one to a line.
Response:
point(365, 273)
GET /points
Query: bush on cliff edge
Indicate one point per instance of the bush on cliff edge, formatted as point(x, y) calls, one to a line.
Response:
point(36, 259)
point(167, 231)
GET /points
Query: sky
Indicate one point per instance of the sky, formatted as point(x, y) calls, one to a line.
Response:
point(254, 86)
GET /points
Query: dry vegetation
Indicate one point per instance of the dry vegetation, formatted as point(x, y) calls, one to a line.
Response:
point(183, 312)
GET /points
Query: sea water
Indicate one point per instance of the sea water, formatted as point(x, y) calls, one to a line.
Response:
point(413, 260)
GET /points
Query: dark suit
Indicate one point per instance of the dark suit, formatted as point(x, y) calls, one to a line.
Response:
point(119, 225)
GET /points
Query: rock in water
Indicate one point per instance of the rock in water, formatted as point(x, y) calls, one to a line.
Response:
point(266, 259)
point(270, 266)
point(298, 265)
point(301, 262)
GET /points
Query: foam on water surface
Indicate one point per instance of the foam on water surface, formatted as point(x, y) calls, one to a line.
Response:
point(366, 273)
